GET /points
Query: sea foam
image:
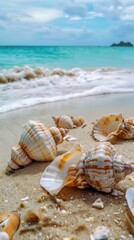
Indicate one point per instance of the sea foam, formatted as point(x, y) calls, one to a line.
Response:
point(25, 86)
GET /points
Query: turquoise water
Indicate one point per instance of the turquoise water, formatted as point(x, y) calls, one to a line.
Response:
point(67, 57)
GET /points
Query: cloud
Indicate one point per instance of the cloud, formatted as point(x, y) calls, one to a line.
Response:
point(42, 15)
point(128, 14)
point(71, 9)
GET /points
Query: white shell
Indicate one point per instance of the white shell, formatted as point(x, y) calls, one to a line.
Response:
point(4, 236)
point(113, 126)
point(55, 176)
point(100, 233)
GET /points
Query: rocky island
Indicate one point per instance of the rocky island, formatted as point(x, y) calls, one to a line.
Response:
point(122, 44)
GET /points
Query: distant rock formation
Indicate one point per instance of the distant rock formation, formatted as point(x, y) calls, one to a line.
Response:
point(122, 44)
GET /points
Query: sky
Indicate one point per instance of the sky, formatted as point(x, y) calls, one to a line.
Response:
point(66, 22)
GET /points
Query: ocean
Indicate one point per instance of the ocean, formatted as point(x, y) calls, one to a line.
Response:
point(33, 75)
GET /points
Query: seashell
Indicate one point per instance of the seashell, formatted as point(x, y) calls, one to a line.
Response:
point(64, 121)
point(37, 142)
point(32, 216)
point(58, 134)
point(10, 222)
point(102, 168)
point(55, 175)
point(68, 122)
point(104, 127)
point(78, 122)
point(130, 209)
point(100, 233)
point(113, 126)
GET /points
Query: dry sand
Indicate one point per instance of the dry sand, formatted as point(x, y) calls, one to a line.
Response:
point(71, 213)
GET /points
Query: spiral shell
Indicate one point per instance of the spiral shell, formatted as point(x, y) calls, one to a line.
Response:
point(113, 126)
point(100, 168)
point(58, 134)
point(10, 222)
point(68, 122)
point(37, 142)
point(104, 167)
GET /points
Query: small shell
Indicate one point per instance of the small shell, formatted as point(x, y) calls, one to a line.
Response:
point(32, 216)
point(130, 203)
point(78, 122)
point(10, 222)
point(104, 127)
point(100, 233)
point(55, 175)
point(64, 121)
point(58, 134)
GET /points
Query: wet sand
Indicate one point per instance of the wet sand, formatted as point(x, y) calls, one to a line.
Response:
point(71, 213)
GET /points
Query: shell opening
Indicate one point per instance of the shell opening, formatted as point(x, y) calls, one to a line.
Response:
point(55, 176)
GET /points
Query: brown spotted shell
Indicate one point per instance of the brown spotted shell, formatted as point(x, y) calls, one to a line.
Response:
point(37, 142)
point(105, 126)
point(112, 127)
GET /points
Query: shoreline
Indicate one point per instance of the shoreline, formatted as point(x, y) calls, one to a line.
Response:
point(74, 212)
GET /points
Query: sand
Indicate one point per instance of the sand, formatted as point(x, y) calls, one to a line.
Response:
point(70, 213)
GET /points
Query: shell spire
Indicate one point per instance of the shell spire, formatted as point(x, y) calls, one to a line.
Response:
point(58, 134)
point(10, 221)
point(37, 142)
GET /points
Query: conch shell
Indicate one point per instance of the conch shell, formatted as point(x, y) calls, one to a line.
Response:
point(37, 142)
point(10, 222)
point(130, 209)
point(68, 122)
point(100, 168)
point(113, 126)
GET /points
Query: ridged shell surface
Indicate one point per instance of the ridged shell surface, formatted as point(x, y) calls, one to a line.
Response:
point(58, 134)
point(104, 167)
point(64, 121)
point(18, 158)
point(125, 130)
point(37, 142)
point(106, 125)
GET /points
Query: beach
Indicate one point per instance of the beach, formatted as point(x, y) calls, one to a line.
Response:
point(70, 213)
